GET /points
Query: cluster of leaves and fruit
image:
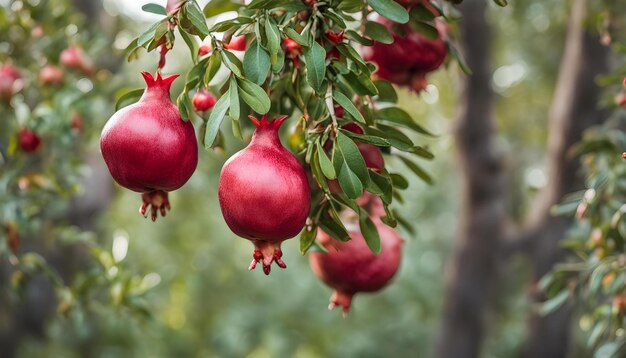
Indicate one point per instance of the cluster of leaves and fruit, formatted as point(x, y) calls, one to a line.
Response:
point(53, 96)
point(301, 60)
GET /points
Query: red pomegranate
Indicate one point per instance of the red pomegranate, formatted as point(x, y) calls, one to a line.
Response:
point(203, 100)
point(29, 141)
point(351, 267)
point(74, 57)
point(51, 75)
point(292, 48)
point(236, 44)
point(148, 148)
point(264, 194)
point(411, 56)
point(205, 47)
point(9, 76)
point(334, 37)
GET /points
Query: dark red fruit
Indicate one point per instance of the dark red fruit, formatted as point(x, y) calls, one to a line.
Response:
point(264, 194)
point(351, 267)
point(29, 141)
point(51, 75)
point(236, 44)
point(334, 37)
point(9, 75)
point(203, 100)
point(205, 47)
point(411, 56)
point(292, 48)
point(148, 148)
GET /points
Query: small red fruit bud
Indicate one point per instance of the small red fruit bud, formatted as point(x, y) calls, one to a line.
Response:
point(29, 140)
point(75, 58)
point(236, 44)
point(203, 100)
point(205, 47)
point(334, 37)
point(292, 48)
point(51, 75)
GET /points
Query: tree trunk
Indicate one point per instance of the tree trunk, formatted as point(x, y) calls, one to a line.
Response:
point(472, 271)
point(574, 109)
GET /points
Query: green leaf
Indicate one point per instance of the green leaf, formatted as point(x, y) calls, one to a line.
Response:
point(386, 92)
point(365, 138)
point(235, 111)
point(148, 35)
point(294, 35)
point(370, 232)
point(347, 104)
point(191, 43)
point(256, 63)
point(502, 3)
point(232, 62)
point(254, 96)
point(155, 9)
point(391, 10)
point(378, 32)
point(400, 117)
point(554, 303)
point(349, 181)
point(215, 119)
point(128, 98)
point(216, 7)
point(349, 152)
point(417, 170)
point(197, 18)
point(215, 62)
point(273, 39)
point(307, 238)
point(315, 60)
point(325, 163)
point(184, 107)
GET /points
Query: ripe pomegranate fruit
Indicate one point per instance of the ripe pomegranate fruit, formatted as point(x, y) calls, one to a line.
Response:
point(203, 100)
point(29, 141)
point(264, 194)
point(411, 56)
point(9, 76)
point(236, 44)
point(148, 148)
point(351, 267)
point(51, 75)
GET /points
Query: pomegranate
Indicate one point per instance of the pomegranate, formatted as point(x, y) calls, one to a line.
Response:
point(9, 77)
point(351, 267)
point(408, 60)
point(292, 48)
point(148, 148)
point(29, 141)
point(264, 194)
point(74, 57)
point(236, 44)
point(205, 47)
point(334, 37)
point(203, 100)
point(51, 75)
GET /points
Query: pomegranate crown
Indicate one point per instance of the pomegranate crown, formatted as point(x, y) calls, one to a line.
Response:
point(264, 123)
point(158, 82)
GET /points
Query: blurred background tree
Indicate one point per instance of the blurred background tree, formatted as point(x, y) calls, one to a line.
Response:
point(469, 280)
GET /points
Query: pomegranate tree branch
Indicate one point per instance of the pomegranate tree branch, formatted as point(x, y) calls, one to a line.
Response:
point(574, 109)
point(472, 272)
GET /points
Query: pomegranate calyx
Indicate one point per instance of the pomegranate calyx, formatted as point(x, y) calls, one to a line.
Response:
point(275, 124)
point(159, 82)
point(157, 201)
point(342, 299)
point(266, 253)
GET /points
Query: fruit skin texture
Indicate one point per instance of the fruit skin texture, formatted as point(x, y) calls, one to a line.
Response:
point(203, 100)
point(411, 56)
point(351, 267)
point(29, 141)
point(8, 76)
point(264, 194)
point(148, 148)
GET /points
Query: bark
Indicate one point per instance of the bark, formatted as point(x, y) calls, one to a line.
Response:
point(472, 271)
point(574, 109)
